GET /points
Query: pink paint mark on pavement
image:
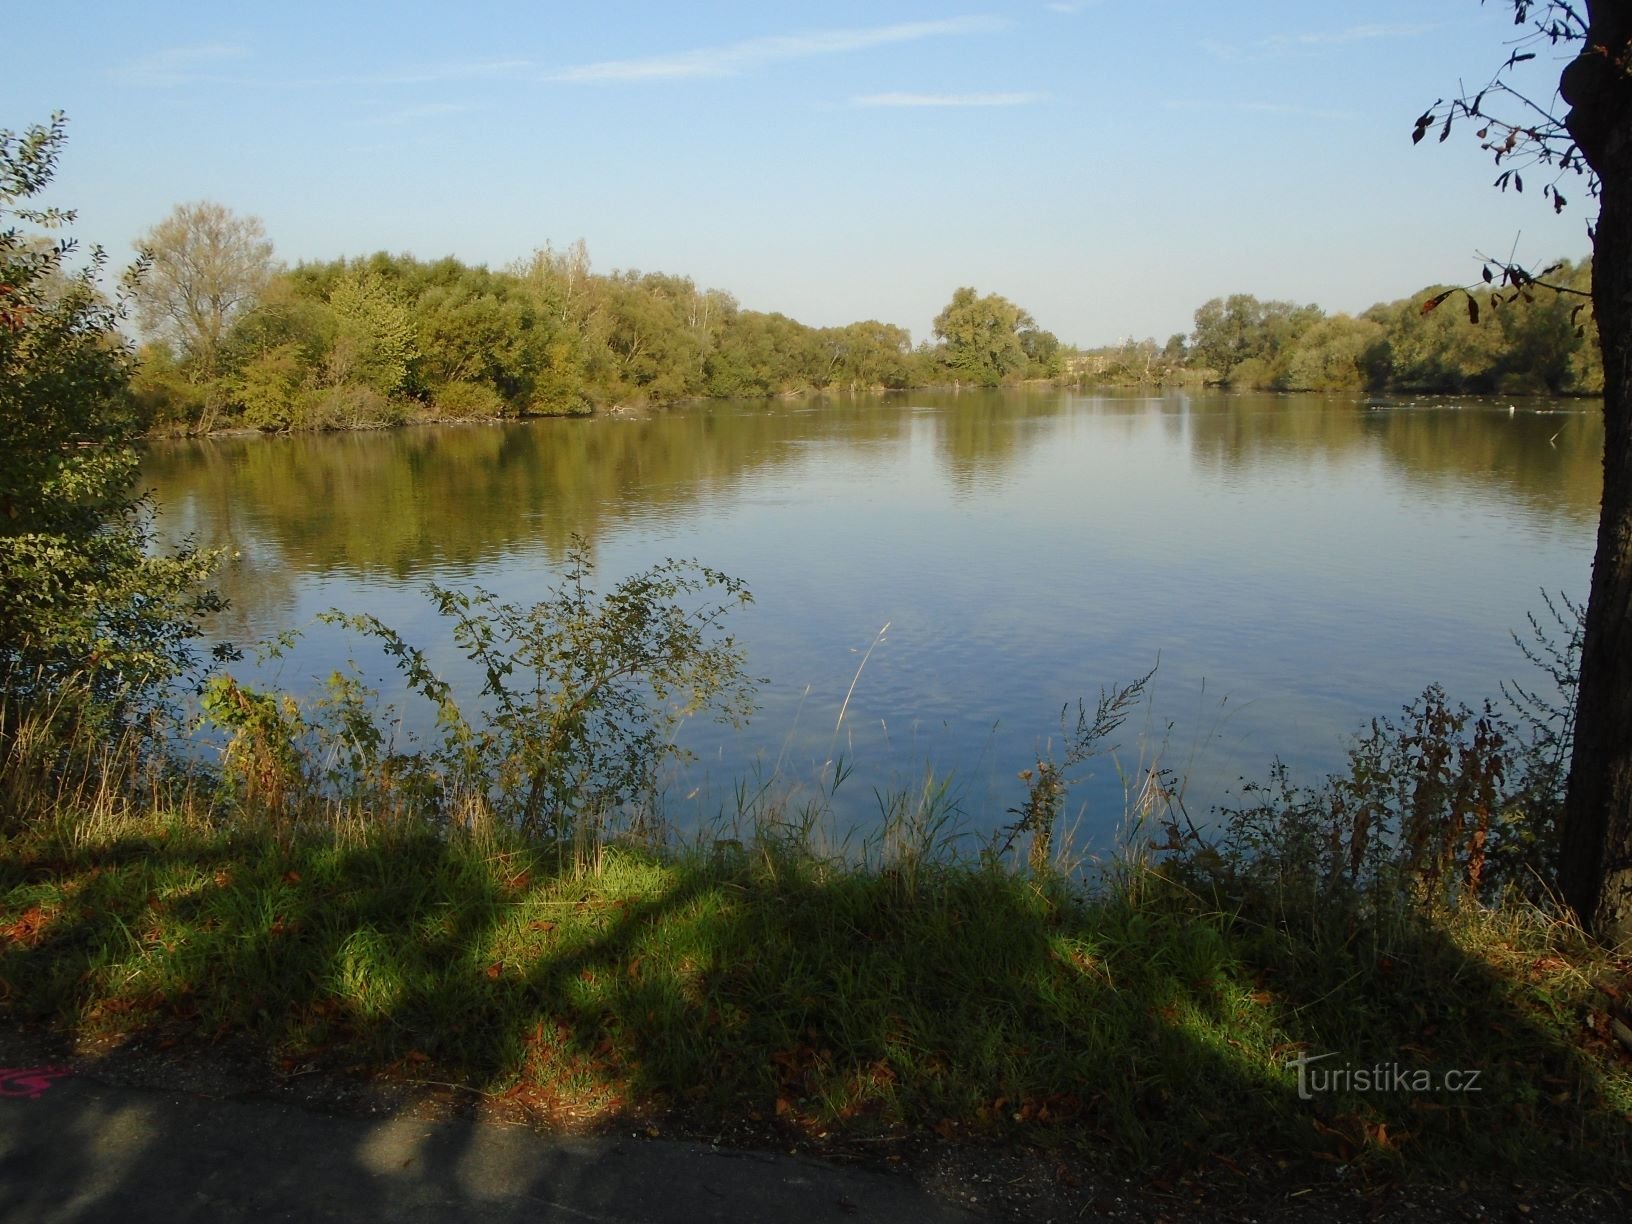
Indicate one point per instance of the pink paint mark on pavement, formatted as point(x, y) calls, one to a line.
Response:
point(29, 1082)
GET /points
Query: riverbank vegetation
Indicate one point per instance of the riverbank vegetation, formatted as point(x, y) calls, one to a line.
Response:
point(323, 902)
point(235, 341)
point(502, 911)
point(1534, 342)
point(238, 342)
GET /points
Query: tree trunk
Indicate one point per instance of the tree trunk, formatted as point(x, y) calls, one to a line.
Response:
point(1596, 865)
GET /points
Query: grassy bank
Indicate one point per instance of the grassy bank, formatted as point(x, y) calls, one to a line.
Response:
point(1363, 976)
point(755, 983)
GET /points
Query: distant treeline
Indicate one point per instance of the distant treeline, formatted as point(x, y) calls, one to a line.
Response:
point(1538, 341)
point(234, 340)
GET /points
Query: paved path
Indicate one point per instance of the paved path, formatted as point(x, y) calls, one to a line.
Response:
point(75, 1149)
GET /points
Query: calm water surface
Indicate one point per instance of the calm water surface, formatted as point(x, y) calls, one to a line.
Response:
point(1297, 563)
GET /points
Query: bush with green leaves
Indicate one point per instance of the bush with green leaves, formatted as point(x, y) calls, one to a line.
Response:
point(580, 696)
point(85, 602)
point(463, 401)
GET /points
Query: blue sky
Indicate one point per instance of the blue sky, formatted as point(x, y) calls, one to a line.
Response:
point(1107, 165)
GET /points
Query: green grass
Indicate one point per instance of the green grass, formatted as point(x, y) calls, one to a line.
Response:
point(748, 981)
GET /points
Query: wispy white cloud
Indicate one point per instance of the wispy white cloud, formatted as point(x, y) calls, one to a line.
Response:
point(1308, 41)
point(730, 59)
point(178, 65)
point(958, 99)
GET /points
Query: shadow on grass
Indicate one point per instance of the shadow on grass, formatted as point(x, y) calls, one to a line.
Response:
point(777, 1001)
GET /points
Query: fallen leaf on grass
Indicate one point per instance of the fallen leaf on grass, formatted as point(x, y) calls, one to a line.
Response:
point(28, 927)
point(1378, 1135)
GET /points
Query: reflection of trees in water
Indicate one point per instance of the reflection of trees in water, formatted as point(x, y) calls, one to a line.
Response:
point(453, 498)
point(1547, 455)
point(397, 502)
point(981, 435)
point(253, 575)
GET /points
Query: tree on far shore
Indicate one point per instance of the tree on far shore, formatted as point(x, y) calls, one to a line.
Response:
point(206, 266)
point(982, 337)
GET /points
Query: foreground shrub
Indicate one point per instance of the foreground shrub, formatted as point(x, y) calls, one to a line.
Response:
point(1442, 806)
point(87, 605)
point(579, 697)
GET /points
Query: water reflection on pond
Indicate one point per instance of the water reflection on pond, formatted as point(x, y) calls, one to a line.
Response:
point(1297, 563)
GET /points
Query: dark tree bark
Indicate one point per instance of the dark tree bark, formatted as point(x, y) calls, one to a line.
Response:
point(1596, 864)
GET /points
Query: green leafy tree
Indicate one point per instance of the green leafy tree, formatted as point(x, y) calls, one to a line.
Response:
point(86, 605)
point(1340, 354)
point(762, 354)
point(268, 387)
point(1440, 352)
point(981, 337)
point(1540, 338)
point(655, 347)
point(374, 335)
point(875, 354)
point(560, 286)
point(1222, 338)
point(1230, 332)
point(1044, 358)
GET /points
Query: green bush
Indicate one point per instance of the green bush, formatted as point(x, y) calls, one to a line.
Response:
point(464, 401)
point(347, 406)
point(579, 698)
point(87, 605)
point(268, 388)
point(166, 397)
point(559, 395)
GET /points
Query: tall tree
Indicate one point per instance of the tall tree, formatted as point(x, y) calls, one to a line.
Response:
point(206, 267)
point(982, 336)
point(1233, 331)
point(1594, 139)
point(1223, 338)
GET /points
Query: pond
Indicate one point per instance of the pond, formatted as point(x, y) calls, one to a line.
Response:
point(1295, 564)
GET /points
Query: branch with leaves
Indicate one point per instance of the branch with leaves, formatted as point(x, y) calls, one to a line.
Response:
point(1507, 283)
point(1544, 139)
